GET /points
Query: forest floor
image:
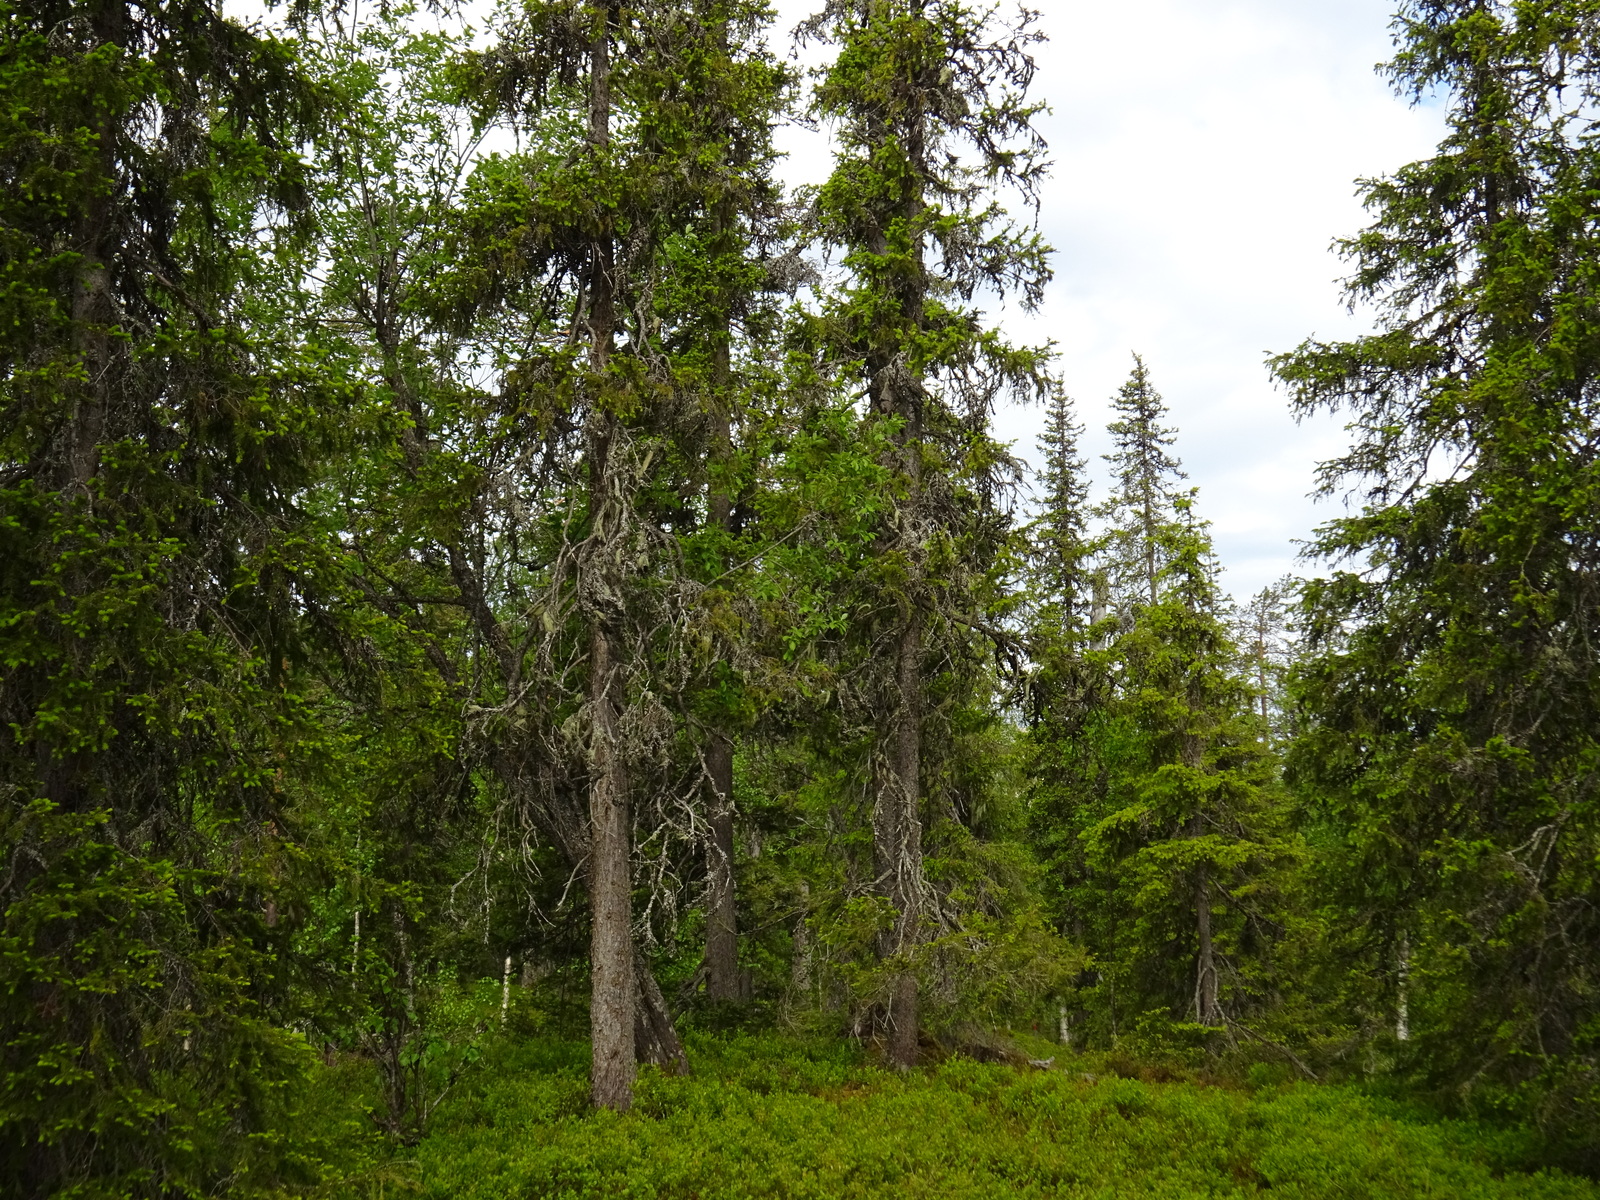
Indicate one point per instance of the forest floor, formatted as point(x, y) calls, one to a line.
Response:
point(768, 1116)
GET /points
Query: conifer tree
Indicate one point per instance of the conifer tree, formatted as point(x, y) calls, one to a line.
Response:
point(715, 301)
point(1067, 684)
point(1451, 684)
point(1059, 545)
point(928, 103)
point(155, 577)
point(1139, 507)
point(1264, 633)
point(601, 271)
point(1154, 796)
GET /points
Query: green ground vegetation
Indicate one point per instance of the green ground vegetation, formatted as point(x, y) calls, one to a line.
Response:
point(767, 1115)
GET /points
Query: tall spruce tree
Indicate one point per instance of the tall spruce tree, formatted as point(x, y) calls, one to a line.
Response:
point(1067, 684)
point(1451, 691)
point(1140, 506)
point(1059, 545)
point(1154, 797)
point(715, 300)
point(601, 272)
point(928, 103)
point(156, 572)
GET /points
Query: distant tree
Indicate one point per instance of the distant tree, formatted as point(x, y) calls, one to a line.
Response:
point(1155, 802)
point(1264, 631)
point(1139, 507)
point(1059, 545)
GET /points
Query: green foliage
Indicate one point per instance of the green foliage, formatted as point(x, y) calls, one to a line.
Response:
point(1449, 701)
point(1155, 802)
point(372, 506)
point(156, 595)
point(775, 1117)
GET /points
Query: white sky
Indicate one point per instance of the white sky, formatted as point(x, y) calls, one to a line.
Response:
point(1206, 153)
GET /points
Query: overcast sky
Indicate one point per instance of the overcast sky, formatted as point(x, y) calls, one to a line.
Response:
point(1205, 157)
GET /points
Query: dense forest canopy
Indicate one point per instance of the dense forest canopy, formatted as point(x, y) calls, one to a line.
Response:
point(473, 542)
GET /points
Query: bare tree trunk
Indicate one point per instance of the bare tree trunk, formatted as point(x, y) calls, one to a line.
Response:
point(611, 950)
point(800, 958)
point(654, 1036)
point(1097, 610)
point(1206, 1009)
point(897, 839)
point(723, 978)
point(1402, 1016)
point(94, 309)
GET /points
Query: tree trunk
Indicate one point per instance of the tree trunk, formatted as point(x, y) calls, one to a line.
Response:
point(1098, 607)
point(1402, 1015)
point(897, 840)
point(723, 978)
point(800, 957)
point(1205, 975)
point(94, 310)
point(655, 1038)
point(896, 815)
point(611, 951)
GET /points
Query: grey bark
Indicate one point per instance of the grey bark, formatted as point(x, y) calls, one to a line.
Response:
point(896, 820)
point(1206, 1008)
point(723, 978)
point(613, 981)
point(94, 309)
point(897, 840)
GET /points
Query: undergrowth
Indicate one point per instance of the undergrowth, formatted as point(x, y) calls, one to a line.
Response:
point(769, 1116)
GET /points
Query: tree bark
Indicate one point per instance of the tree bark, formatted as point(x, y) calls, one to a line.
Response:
point(1206, 1009)
point(800, 959)
point(612, 1006)
point(655, 1038)
point(897, 840)
point(611, 949)
point(93, 306)
point(723, 978)
point(1402, 1015)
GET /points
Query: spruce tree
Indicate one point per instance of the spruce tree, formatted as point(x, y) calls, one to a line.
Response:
point(1139, 507)
point(928, 103)
point(1450, 688)
point(1154, 798)
point(1059, 542)
point(1264, 631)
point(156, 434)
point(601, 274)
